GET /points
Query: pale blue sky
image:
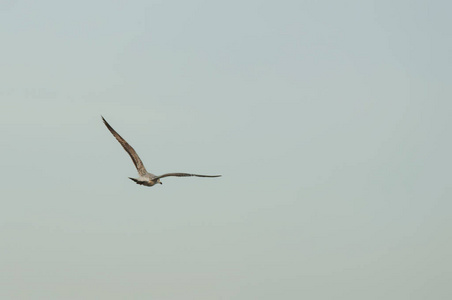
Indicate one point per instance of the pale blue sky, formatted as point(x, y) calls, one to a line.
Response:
point(329, 120)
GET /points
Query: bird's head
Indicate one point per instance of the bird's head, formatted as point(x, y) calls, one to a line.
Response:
point(158, 181)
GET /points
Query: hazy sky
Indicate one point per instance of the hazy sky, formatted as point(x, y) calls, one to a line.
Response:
point(329, 120)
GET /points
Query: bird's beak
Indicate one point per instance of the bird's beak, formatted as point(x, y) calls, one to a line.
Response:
point(160, 182)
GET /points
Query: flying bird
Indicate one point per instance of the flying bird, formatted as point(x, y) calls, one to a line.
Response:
point(145, 178)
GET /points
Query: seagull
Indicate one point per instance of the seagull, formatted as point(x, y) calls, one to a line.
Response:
point(145, 178)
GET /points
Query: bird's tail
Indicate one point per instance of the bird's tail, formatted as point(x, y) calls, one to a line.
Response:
point(134, 179)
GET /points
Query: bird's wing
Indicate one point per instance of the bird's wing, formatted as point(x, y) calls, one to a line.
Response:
point(135, 158)
point(183, 175)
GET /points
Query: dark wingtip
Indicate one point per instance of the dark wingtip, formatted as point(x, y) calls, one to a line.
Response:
point(105, 122)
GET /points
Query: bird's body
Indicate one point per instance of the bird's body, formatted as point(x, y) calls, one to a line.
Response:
point(145, 178)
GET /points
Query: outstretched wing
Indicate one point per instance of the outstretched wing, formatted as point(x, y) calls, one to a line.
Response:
point(183, 175)
point(135, 158)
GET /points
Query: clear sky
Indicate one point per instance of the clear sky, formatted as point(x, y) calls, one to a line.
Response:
point(330, 122)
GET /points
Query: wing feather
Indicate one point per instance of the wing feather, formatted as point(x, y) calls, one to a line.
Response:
point(183, 175)
point(133, 155)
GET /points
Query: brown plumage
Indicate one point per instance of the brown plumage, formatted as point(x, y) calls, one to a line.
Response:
point(145, 178)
